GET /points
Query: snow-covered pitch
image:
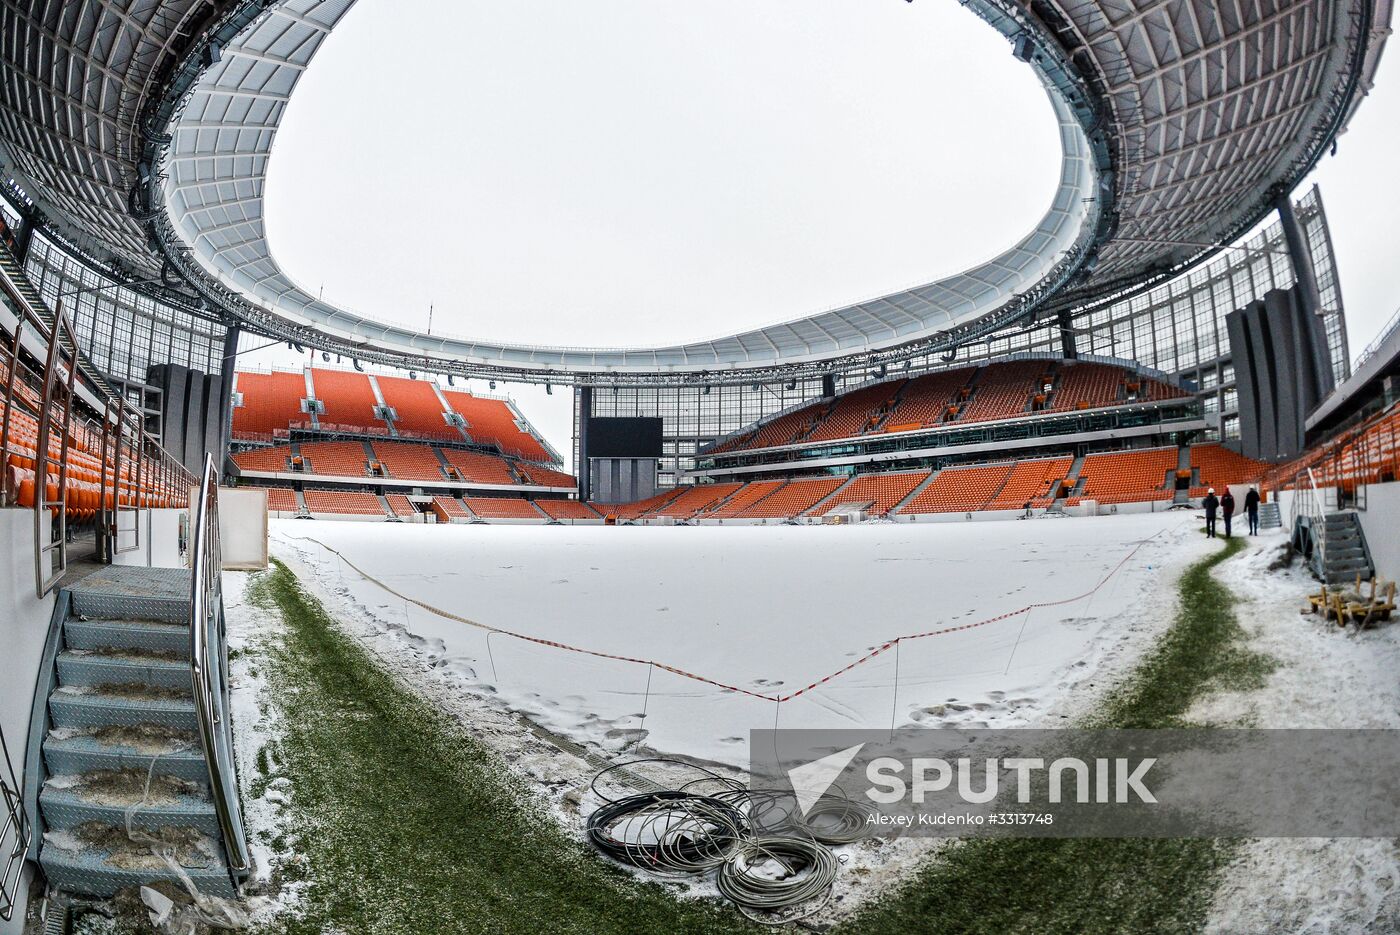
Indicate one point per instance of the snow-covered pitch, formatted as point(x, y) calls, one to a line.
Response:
point(765, 609)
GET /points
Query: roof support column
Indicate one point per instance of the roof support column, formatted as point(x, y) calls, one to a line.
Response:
point(1308, 295)
point(226, 375)
point(29, 219)
point(1068, 344)
point(583, 409)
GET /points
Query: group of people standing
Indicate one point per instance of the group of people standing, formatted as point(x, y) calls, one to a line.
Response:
point(1226, 506)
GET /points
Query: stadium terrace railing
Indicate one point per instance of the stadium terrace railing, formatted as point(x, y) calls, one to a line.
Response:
point(62, 464)
point(209, 667)
point(15, 832)
point(1367, 453)
point(1371, 349)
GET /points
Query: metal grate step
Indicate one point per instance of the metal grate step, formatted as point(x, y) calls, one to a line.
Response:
point(101, 709)
point(91, 669)
point(68, 808)
point(131, 593)
point(141, 635)
point(83, 753)
point(100, 873)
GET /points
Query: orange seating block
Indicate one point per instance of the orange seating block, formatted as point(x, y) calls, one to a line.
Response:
point(271, 402)
point(884, 489)
point(1128, 476)
point(344, 502)
point(794, 499)
point(567, 509)
point(501, 507)
point(416, 406)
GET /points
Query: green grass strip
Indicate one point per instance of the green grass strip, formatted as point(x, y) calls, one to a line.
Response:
point(407, 825)
point(1083, 886)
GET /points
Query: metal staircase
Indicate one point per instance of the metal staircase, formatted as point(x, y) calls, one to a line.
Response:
point(1346, 554)
point(130, 770)
point(1269, 516)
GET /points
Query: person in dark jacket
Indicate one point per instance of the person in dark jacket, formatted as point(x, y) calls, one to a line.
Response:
point(1227, 509)
point(1211, 504)
point(1251, 509)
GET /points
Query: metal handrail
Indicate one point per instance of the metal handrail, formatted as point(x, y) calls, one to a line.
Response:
point(1315, 510)
point(52, 403)
point(14, 823)
point(209, 667)
point(51, 516)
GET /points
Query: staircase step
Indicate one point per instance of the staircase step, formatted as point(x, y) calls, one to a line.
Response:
point(1336, 552)
point(101, 872)
point(127, 634)
point(123, 592)
point(67, 808)
point(71, 754)
point(106, 709)
point(85, 668)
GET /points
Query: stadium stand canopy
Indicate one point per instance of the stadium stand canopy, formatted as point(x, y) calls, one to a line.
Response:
point(1182, 125)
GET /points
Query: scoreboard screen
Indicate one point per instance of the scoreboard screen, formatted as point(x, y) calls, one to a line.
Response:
point(632, 437)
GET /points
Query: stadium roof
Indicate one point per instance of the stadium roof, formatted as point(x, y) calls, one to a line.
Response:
point(143, 131)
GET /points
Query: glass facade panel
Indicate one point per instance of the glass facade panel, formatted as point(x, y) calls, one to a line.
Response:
point(122, 331)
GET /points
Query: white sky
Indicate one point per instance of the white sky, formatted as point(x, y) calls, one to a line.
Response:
point(636, 173)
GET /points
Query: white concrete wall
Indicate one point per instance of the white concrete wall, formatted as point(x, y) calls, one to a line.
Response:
point(1379, 521)
point(24, 624)
point(159, 542)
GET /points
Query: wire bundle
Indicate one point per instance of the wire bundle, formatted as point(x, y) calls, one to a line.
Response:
point(771, 874)
point(768, 860)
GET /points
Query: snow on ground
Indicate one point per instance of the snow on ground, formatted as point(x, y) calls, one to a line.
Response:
point(255, 723)
point(709, 599)
point(768, 609)
point(1327, 677)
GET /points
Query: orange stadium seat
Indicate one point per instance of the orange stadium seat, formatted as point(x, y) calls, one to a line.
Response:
point(783, 430)
point(282, 500)
point(400, 505)
point(477, 468)
point(1003, 390)
point(1087, 386)
point(450, 508)
point(856, 412)
point(926, 399)
point(274, 459)
point(544, 477)
point(638, 508)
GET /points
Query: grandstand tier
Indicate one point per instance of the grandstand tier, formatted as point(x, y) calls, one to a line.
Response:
point(271, 404)
point(389, 462)
point(961, 396)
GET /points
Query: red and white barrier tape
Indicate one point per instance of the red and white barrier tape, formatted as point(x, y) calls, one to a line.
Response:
point(779, 699)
